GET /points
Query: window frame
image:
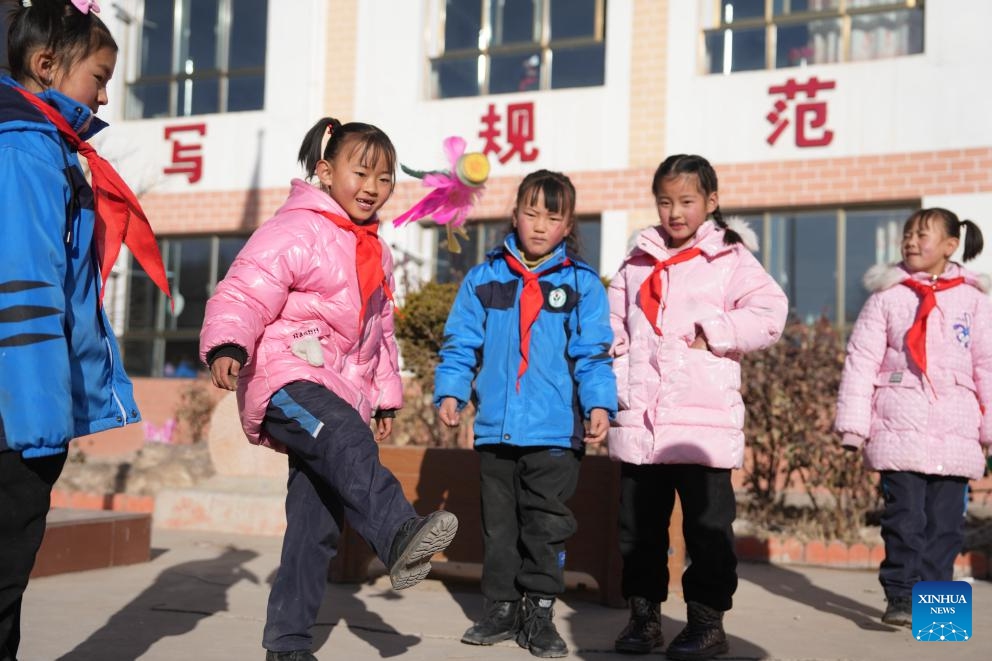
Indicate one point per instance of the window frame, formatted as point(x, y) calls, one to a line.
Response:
point(770, 22)
point(222, 74)
point(485, 52)
point(160, 333)
point(841, 222)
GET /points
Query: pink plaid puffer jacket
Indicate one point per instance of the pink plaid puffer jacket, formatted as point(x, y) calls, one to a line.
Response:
point(936, 427)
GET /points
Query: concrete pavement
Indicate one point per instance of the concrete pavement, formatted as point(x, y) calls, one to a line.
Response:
point(202, 598)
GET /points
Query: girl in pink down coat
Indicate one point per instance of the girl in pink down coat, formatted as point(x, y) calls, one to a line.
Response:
point(916, 396)
point(292, 300)
point(302, 327)
point(688, 301)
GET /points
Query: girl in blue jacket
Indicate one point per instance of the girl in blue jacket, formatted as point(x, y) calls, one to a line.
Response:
point(60, 369)
point(528, 340)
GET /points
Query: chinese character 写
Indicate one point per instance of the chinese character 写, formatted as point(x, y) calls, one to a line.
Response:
point(810, 116)
point(519, 132)
point(186, 157)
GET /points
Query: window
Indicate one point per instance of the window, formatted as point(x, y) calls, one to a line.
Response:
point(486, 235)
point(500, 46)
point(819, 257)
point(776, 34)
point(158, 341)
point(199, 56)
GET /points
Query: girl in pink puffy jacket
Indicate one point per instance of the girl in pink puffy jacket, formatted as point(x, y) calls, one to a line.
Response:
point(916, 395)
point(302, 328)
point(688, 301)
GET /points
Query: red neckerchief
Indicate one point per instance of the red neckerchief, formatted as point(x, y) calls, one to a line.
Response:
point(368, 259)
point(650, 292)
point(531, 302)
point(119, 217)
point(916, 336)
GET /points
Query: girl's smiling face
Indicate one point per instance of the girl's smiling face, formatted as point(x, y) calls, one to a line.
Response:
point(358, 179)
point(683, 207)
point(927, 247)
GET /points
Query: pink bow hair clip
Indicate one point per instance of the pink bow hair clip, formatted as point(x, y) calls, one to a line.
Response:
point(455, 190)
point(86, 6)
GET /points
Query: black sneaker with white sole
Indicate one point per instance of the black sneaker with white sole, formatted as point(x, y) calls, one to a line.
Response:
point(415, 542)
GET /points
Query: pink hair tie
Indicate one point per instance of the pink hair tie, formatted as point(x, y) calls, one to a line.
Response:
point(86, 6)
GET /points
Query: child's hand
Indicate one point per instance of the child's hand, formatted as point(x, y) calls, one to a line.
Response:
point(448, 412)
point(383, 428)
point(596, 426)
point(699, 342)
point(224, 372)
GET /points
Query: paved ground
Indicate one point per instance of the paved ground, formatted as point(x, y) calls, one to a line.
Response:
point(202, 598)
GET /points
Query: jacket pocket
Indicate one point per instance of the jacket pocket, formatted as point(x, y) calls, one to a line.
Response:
point(899, 403)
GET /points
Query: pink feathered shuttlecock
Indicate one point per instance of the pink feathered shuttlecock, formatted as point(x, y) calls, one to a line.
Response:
point(454, 192)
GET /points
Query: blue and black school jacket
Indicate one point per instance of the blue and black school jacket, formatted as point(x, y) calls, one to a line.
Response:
point(570, 371)
point(60, 368)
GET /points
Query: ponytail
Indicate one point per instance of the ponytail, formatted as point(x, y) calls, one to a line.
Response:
point(973, 242)
point(316, 144)
point(730, 237)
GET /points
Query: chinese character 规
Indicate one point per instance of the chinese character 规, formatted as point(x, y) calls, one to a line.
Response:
point(519, 132)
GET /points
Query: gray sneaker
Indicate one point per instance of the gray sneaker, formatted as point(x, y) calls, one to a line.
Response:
point(414, 544)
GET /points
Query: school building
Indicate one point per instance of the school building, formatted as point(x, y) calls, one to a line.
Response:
point(828, 121)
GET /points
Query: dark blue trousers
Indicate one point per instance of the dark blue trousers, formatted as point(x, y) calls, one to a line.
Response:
point(922, 527)
point(334, 474)
point(525, 519)
point(647, 497)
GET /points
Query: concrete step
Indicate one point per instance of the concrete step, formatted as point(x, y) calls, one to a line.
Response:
point(77, 540)
point(225, 503)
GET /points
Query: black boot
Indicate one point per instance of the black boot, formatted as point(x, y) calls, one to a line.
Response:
point(501, 622)
point(414, 544)
point(538, 633)
point(643, 633)
point(702, 638)
point(899, 612)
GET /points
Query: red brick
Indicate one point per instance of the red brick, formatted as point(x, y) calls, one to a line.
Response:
point(859, 556)
point(837, 554)
point(787, 550)
point(751, 549)
point(816, 553)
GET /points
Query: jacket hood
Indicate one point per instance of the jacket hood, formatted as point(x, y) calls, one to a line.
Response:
point(709, 238)
point(307, 197)
point(886, 276)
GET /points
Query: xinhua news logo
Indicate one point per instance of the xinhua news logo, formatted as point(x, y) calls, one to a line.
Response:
point(942, 611)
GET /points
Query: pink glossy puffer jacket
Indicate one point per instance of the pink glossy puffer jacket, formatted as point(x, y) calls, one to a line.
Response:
point(935, 428)
point(681, 405)
point(291, 300)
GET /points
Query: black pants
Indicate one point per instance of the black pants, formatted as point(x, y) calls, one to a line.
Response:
point(922, 527)
point(647, 496)
point(334, 472)
point(25, 497)
point(525, 521)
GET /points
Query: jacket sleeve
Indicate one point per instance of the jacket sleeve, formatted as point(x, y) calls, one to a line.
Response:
point(620, 349)
point(756, 310)
point(256, 287)
point(460, 353)
point(865, 352)
point(388, 384)
point(589, 346)
point(34, 362)
point(981, 351)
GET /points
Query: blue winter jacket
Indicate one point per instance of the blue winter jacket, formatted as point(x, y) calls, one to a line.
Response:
point(570, 371)
point(60, 369)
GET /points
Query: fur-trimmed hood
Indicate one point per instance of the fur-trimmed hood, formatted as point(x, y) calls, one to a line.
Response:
point(884, 276)
point(709, 237)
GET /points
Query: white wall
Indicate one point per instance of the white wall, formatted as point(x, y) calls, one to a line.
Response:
point(241, 150)
point(933, 101)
